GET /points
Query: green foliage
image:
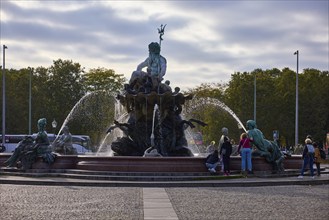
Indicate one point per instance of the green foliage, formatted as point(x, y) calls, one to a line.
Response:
point(93, 115)
point(275, 104)
point(103, 79)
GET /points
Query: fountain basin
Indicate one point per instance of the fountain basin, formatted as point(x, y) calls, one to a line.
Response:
point(149, 164)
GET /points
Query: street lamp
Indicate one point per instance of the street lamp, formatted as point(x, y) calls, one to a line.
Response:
point(255, 97)
point(30, 99)
point(54, 125)
point(3, 97)
point(296, 120)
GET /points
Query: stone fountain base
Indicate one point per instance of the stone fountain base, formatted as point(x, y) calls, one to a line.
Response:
point(149, 164)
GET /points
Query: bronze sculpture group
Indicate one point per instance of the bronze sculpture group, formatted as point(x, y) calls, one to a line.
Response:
point(154, 112)
point(270, 150)
point(29, 149)
point(63, 145)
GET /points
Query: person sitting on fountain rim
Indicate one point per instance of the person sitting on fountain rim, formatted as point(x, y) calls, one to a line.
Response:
point(212, 161)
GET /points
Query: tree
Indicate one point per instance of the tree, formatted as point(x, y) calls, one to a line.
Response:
point(17, 85)
point(211, 112)
point(103, 79)
point(313, 104)
point(97, 109)
point(64, 88)
point(285, 113)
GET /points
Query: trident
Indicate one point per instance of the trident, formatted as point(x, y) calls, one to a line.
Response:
point(161, 32)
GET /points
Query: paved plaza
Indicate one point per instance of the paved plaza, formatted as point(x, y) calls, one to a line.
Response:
point(86, 202)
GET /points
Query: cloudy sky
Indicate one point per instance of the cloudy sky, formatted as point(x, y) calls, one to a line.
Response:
point(204, 41)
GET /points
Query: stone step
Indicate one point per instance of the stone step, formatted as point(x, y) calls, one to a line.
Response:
point(127, 178)
point(117, 176)
point(141, 176)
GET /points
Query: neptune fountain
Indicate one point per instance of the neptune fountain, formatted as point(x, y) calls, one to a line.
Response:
point(154, 122)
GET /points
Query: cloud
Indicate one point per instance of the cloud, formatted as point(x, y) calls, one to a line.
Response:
point(204, 41)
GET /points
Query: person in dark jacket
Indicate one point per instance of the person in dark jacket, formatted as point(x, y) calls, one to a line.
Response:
point(308, 157)
point(212, 161)
point(226, 151)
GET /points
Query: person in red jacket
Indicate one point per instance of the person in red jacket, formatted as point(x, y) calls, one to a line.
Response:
point(245, 144)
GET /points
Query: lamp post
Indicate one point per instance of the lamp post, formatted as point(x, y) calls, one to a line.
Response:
point(30, 100)
point(3, 97)
point(54, 125)
point(255, 97)
point(296, 119)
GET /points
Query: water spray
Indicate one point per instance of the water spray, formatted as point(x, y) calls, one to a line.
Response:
point(152, 135)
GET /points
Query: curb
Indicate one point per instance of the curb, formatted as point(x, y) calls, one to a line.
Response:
point(164, 184)
point(216, 181)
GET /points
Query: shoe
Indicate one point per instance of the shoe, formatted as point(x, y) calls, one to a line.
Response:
point(300, 177)
point(211, 170)
point(312, 177)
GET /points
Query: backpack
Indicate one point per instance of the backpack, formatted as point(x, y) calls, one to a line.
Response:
point(322, 154)
point(310, 148)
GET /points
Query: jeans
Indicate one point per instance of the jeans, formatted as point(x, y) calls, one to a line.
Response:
point(210, 165)
point(226, 163)
point(246, 156)
point(307, 160)
point(318, 168)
